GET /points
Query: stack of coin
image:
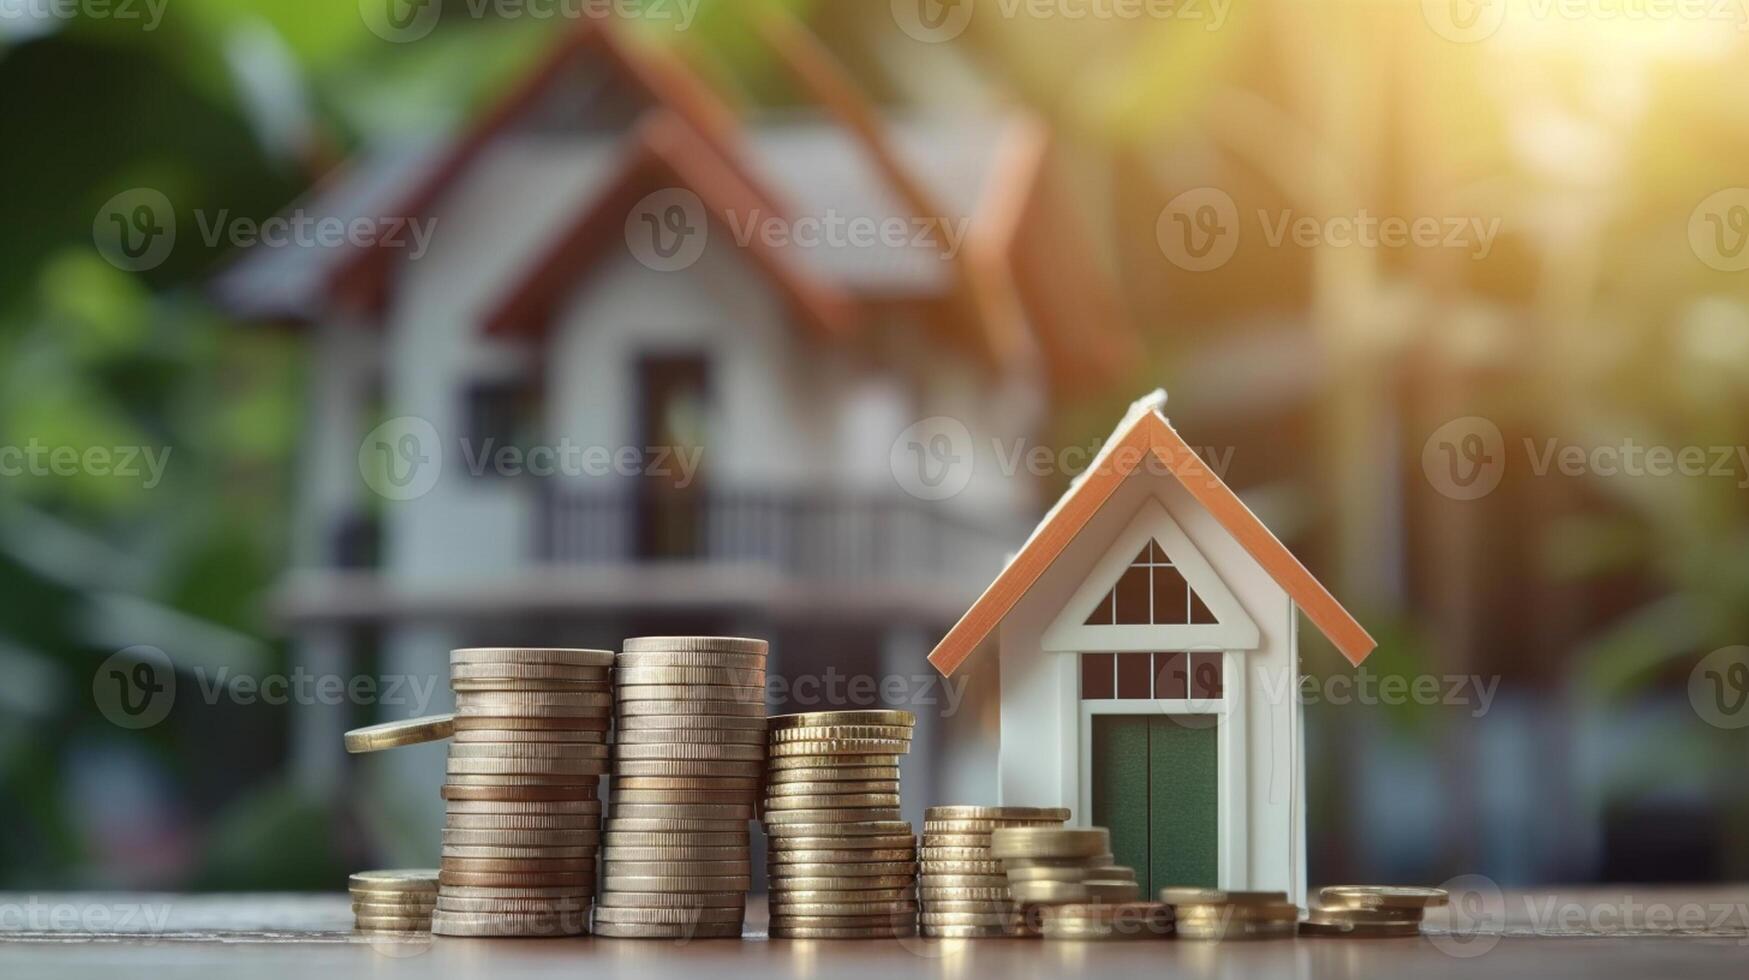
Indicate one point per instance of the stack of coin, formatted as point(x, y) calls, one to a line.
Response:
point(1371, 911)
point(1106, 921)
point(962, 888)
point(842, 863)
point(1059, 866)
point(524, 818)
point(1207, 913)
point(688, 754)
point(393, 901)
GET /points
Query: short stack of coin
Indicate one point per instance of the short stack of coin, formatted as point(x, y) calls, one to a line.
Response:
point(393, 901)
point(524, 816)
point(1059, 866)
point(1207, 913)
point(688, 755)
point(1371, 911)
point(961, 887)
point(842, 863)
point(1105, 921)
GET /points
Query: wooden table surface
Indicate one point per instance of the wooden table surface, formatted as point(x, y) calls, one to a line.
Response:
point(1593, 934)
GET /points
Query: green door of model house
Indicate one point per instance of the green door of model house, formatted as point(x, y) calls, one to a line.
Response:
point(1154, 786)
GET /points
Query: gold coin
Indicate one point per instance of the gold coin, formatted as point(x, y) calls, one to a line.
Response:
point(677, 825)
point(515, 879)
point(530, 736)
point(612, 899)
point(891, 733)
point(981, 827)
point(675, 676)
point(1049, 842)
point(675, 712)
point(670, 916)
point(839, 747)
point(689, 693)
point(779, 790)
point(394, 734)
point(996, 813)
point(829, 883)
point(779, 858)
point(684, 795)
point(749, 784)
point(689, 751)
point(849, 828)
point(962, 841)
point(692, 736)
point(585, 807)
point(727, 852)
point(528, 794)
point(837, 801)
point(528, 750)
point(1236, 930)
point(826, 719)
point(834, 774)
point(736, 661)
point(1216, 896)
point(695, 644)
point(1251, 912)
point(1383, 896)
point(859, 843)
point(637, 839)
point(687, 811)
point(1019, 873)
point(685, 767)
point(557, 656)
point(678, 883)
point(534, 726)
point(832, 932)
point(1064, 892)
point(417, 880)
point(460, 837)
point(864, 814)
point(778, 763)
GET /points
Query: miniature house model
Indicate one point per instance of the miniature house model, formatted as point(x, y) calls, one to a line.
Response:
point(1149, 667)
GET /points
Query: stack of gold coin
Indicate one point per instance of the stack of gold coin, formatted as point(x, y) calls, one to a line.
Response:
point(1059, 866)
point(687, 757)
point(393, 901)
point(961, 886)
point(1371, 911)
point(842, 863)
point(1208, 913)
point(1106, 921)
point(524, 817)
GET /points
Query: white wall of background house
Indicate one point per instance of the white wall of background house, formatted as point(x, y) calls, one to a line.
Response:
point(1045, 724)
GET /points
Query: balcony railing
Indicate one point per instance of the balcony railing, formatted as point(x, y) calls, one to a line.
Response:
point(816, 536)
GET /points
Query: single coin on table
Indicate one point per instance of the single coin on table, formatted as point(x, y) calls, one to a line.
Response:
point(1383, 896)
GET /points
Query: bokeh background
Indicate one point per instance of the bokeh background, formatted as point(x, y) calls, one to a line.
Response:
point(1585, 293)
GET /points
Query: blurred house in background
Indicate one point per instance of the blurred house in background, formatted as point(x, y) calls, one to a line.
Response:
point(638, 383)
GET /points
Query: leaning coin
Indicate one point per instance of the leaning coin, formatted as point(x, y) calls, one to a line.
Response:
point(395, 734)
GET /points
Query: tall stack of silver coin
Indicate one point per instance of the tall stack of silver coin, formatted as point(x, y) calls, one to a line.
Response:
point(962, 887)
point(687, 759)
point(842, 863)
point(524, 816)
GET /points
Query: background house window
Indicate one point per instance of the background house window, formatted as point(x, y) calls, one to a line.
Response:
point(1151, 592)
point(1175, 676)
point(498, 413)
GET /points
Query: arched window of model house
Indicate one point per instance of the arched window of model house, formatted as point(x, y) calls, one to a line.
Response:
point(1151, 592)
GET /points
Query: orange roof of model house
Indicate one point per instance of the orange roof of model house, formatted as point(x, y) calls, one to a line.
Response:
point(1145, 434)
